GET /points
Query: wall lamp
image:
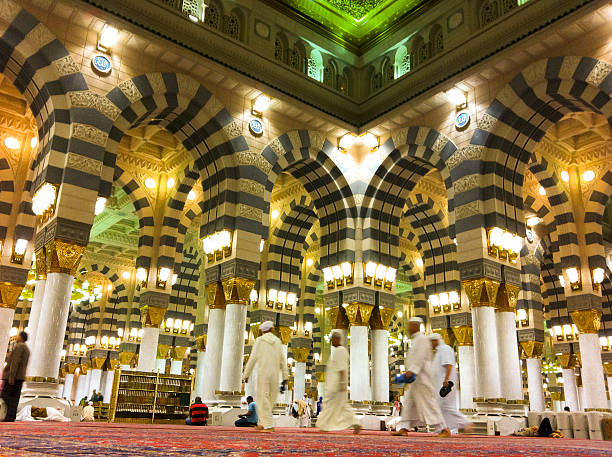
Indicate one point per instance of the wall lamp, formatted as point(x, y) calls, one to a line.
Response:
point(260, 104)
point(457, 97)
point(218, 245)
point(573, 275)
point(163, 274)
point(598, 275)
point(522, 317)
point(43, 201)
point(338, 275)
point(444, 301)
point(142, 275)
point(503, 244)
point(19, 249)
point(108, 38)
point(379, 275)
point(281, 299)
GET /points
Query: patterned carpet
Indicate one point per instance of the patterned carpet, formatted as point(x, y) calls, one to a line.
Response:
point(131, 440)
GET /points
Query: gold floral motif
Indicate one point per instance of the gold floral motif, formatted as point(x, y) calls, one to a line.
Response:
point(359, 313)
point(71, 368)
point(587, 320)
point(201, 343)
point(300, 355)
point(89, 99)
point(284, 333)
point(464, 335)
point(162, 350)
point(151, 316)
point(532, 349)
point(9, 293)
point(178, 352)
point(608, 368)
point(237, 290)
point(599, 72)
point(126, 357)
point(114, 364)
point(66, 65)
point(41, 264)
point(481, 292)
point(332, 315)
point(567, 361)
point(89, 133)
point(130, 90)
point(63, 256)
point(96, 363)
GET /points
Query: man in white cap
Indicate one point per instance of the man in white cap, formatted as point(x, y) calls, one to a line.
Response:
point(336, 413)
point(421, 405)
point(267, 356)
point(444, 373)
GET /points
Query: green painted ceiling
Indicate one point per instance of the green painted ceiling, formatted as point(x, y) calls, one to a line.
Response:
point(356, 24)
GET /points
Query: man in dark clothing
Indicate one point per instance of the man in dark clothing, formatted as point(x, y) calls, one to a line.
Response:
point(13, 376)
point(198, 413)
point(319, 405)
point(250, 418)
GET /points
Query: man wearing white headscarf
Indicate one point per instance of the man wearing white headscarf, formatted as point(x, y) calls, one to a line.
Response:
point(443, 372)
point(421, 406)
point(337, 413)
point(267, 356)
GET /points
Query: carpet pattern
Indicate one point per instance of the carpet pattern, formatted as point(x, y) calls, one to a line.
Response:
point(131, 440)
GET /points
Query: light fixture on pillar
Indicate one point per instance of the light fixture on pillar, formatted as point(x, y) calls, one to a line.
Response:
point(434, 301)
point(253, 298)
point(271, 298)
point(43, 201)
point(307, 328)
point(604, 342)
point(185, 326)
point(522, 317)
point(598, 275)
point(120, 332)
point(218, 245)
point(141, 275)
point(163, 274)
point(260, 104)
point(455, 299)
point(108, 37)
point(457, 97)
point(19, 249)
point(379, 275)
point(100, 204)
point(90, 341)
point(557, 331)
point(504, 244)
point(573, 275)
point(291, 301)
point(568, 332)
point(338, 275)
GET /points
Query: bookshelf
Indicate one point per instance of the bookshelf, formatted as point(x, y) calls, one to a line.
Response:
point(143, 397)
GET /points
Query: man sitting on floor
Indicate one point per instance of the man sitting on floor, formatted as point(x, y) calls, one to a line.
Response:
point(88, 413)
point(198, 413)
point(250, 418)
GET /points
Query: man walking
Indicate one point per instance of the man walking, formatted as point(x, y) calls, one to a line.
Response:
point(336, 413)
point(421, 405)
point(267, 356)
point(13, 376)
point(443, 374)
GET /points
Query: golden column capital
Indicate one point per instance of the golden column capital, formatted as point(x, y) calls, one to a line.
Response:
point(71, 367)
point(464, 335)
point(151, 316)
point(125, 358)
point(237, 290)
point(448, 335)
point(284, 333)
point(567, 361)
point(337, 317)
point(481, 291)
point(63, 256)
point(300, 354)
point(9, 294)
point(507, 296)
point(215, 295)
point(97, 363)
point(41, 264)
point(162, 350)
point(114, 364)
point(178, 353)
point(83, 368)
point(608, 368)
point(587, 320)
point(201, 343)
point(532, 349)
point(321, 376)
point(359, 313)
point(381, 318)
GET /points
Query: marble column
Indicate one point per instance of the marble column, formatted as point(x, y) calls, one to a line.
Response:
point(581, 397)
point(160, 365)
point(6, 323)
point(570, 391)
point(535, 384)
point(95, 379)
point(511, 382)
point(467, 372)
point(9, 295)
point(68, 380)
point(380, 365)
point(250, 388)
point(482, 294)
point(321, 388)
point(82, 386)
point(299, 380)
point(359, 364)
point(37, 303)
point(198, 384)
point(233, 347)
point(285, 399)
point(176, 367)
point(588, 322)
point(148, 349)
point(178, 354)
point(212, 358)
point(610, 391)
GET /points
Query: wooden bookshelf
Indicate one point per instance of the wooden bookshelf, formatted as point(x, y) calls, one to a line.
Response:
point(144, 397)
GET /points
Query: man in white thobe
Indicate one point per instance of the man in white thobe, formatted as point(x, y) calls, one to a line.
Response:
point(421, 406)
point(336, 412)
point(267, 356)
point(444, 371)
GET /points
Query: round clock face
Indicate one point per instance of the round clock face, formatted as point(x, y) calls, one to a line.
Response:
point(462, 120)
point(101, 64)
point(530, 236)
point(256, 127)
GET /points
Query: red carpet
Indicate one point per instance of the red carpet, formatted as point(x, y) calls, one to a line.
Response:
point(131, 440)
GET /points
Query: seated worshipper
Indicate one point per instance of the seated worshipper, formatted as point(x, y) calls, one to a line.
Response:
point(319, 404)
point(198, 413)
point(88, 413)
point(543, 431)
point(250, 418)
point(83, 401)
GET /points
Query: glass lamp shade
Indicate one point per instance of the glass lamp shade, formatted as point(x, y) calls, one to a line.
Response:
point(370, 269)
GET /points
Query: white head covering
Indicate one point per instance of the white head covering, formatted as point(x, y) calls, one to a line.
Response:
point(436, 336)
point(416, 319)
point(266, 326)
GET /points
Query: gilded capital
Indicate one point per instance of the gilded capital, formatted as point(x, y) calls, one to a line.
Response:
point(216, 297)
point(567, 361)
point(507, 296)
point(481, 291)
point(63, 256)
point(41, 264)
point(532, 349)
point(126, 357)
point(284, 333)
point(162, 350)
point(464, 335)
point(70, 367)
point(359, 313)
point(448, 335)
point(300, 355)
point(237, 290)
point(201, 343)
point(151, 316)
point(587, 320)
point(178, 353)
point(381, 318)
point(97, 363)
point(9, 294)
point(608, 368)
point(337, 317)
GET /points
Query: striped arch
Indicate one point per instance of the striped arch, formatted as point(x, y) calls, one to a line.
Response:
point(593, 221)
point(410, 153)
point(25, 221)
point(7, 189)
point(417, 280)
point(144, 212)
point(512, 126)
point(191, 211)
point(606, 304)
point(434, 243)
point(306, 156)
point(183, 301)
point(553, 294)
point(208, 132)
point(286, 247)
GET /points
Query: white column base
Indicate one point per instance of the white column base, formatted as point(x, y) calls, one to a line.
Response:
point(359, 365)
point(6, 323)
point(509, 363)
point(299, 381)
point(233, 348)
point(569, 389)
point(486, 358)
point(214, 351)
point(535, 385)
point(467, 376)
point(592, 372)
point(176, 367)
point(148, 349)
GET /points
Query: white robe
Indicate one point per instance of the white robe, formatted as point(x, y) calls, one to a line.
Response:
point(336, 412)
point(453, 418)
point(421, 406)
point(267, 356)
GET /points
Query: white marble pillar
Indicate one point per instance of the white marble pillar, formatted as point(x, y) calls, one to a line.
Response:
point(148, 349)
point(176, 367)
point(581, 397)
point(610, 392)
point(160, 365)
point(360, 365)
point(68, 380)
point(250, 388)
point(535, 385)
point(592, 372)
point(52, 325)
point(511, 382)
point(321, 389)
point(214, 350)
point(82, 385)
point(569, 389)
point(299, 381)
point(380, 365)
point(126, 367)
point(95, 378)
point(486, 358)
point(198, 383)
point(33, 321)
point(233, 347)
point(107, 389)
point(6, 323)
point(466, 376)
